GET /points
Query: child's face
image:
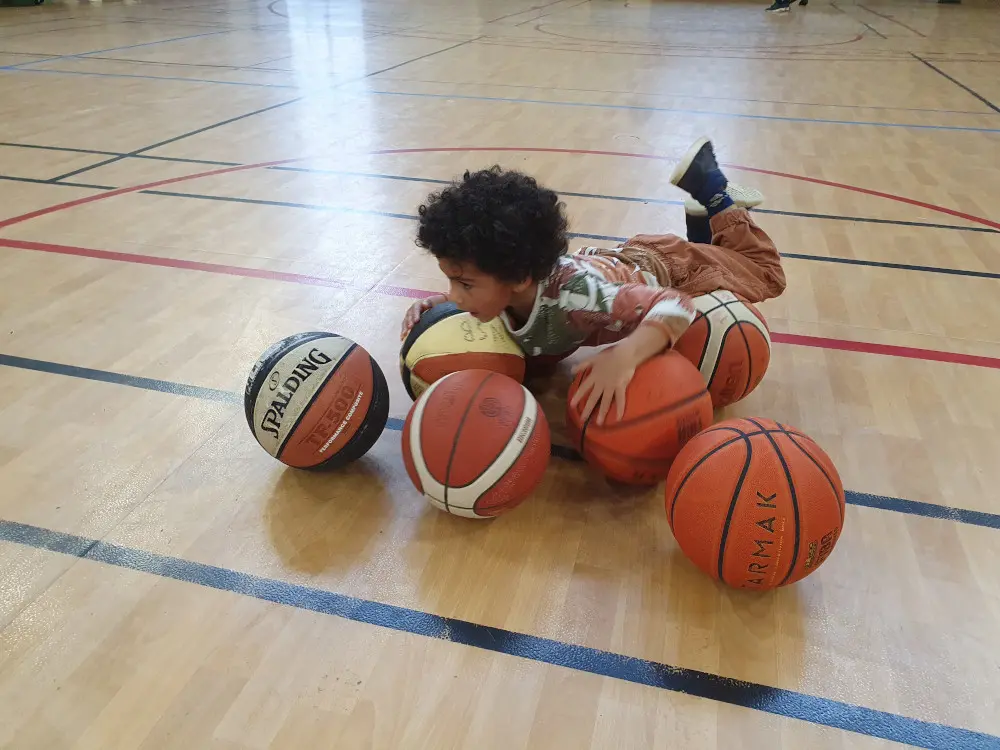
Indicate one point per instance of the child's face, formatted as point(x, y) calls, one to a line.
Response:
point(477, 293)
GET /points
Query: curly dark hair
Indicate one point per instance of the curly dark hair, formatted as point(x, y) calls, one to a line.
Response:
point(502, 221)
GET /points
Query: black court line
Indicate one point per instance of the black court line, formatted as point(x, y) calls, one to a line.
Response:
point(568, 193)
point(262, 110)
point(879, 502)
point(177, 159)
point(417, 59)
point(777, 701)
point(958, 83)
point(577, 235)
point(35, 181)
point(868, 220)
point(176, 138)
point(571, 235)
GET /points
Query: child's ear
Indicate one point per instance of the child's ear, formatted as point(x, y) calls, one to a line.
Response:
point(522, 285)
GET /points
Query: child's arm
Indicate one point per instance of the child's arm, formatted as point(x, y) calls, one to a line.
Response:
point(647, 319)
point(417, 309)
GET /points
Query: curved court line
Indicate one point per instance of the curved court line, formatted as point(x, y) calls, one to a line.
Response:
point(136, 188)
point(656, 45)
point(492, 149)
point(657, 157)
point(968, 273)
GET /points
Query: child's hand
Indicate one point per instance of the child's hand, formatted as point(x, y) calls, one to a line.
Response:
point(610, 372)
point(612, 369)
point(417, 309)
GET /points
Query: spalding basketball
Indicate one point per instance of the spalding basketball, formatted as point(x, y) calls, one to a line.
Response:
point(447, 340)
point(729, 342)
point(316, 400)
point(754, 503)
point(476, 443)
point(666, 404)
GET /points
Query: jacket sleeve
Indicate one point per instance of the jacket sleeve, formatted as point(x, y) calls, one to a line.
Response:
point(609, 312)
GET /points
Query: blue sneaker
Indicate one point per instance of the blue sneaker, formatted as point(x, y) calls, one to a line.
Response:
point(698, 174)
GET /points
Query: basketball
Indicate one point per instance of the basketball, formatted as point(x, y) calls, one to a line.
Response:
point(665, 406)
point(729, 342)
point(316, 400)
point(447, 340)
point(476, 444)
point(755, 504)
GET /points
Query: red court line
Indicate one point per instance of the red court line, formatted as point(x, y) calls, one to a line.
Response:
point(932, 355)
point(133, 189)
point(909, 352)
point(656, 157)
point(194, 265)
point(498, 149)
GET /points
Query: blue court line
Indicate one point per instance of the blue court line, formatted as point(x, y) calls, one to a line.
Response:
point(114, 49)
point(149, 78)
point(599, 105)
point(105, 376)
point(771, 700)
point(777, 701)
point(879, 502)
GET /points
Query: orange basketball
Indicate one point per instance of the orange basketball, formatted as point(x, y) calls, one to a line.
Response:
point(476, 443)
point(754, 503)
point(729, 342)
point(665, 406)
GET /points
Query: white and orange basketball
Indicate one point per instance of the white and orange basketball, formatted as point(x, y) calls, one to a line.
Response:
point(476, 443)
point(729, 343)
point(316, 400)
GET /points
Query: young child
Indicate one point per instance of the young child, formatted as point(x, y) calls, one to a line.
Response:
point(500, 238)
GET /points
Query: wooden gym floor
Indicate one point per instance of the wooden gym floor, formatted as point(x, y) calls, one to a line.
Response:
point(165, 584)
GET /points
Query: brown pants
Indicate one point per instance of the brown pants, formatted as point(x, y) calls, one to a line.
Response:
point(741, 259)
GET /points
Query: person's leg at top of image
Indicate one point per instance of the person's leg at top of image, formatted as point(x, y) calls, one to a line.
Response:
point(783, 6)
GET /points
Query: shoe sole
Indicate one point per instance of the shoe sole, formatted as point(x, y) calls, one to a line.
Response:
point(778, 10)
point(743, 197)
point(685, 163)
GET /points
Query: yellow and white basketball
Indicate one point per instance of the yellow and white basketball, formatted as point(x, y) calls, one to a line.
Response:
point(447, 340)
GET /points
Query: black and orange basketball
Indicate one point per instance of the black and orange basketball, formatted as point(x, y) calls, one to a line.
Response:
point(730, 343)
point(476, 443)
point(316, 400)
point(665, 406)
point(754, 503)
point(447, 340)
